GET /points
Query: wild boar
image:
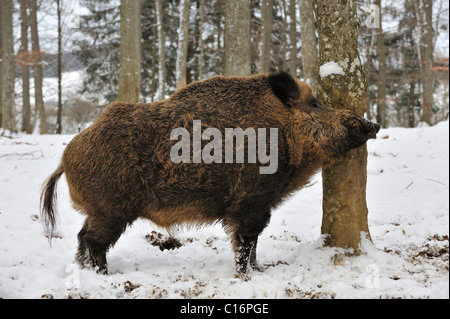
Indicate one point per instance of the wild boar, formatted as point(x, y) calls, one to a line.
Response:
point(127, 164)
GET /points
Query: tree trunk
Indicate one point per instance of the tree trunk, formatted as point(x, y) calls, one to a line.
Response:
point(237, 60)
point(182, 52)
point(24, 61)
point(59, 71)
point(1, 66)
point(37, 68)
point(382, 68)
point(344, 182)
point(368, 67)
point(293, 61)
point(201, 56)
point(154, 58)
point(412, 103)
point(8, 71)
point(220, 12)
point(130, 51)
point(427, 62)
point(161, 92)
point(309, 44)
point(267, 13)
point(284, 38)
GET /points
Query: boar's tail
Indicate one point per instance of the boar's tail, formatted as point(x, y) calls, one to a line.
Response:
point(48, 201)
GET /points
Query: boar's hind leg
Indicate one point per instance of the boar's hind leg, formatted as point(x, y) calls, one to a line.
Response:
point(98, 234)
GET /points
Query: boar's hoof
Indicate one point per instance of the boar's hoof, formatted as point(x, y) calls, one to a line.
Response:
point(257, 267)
point(86, 261)
point(244, 276)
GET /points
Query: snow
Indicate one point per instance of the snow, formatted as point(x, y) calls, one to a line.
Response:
point(408, 201)
point(330, 68)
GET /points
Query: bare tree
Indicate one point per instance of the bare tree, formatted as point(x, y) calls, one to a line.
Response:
point(37, 67)
point(267, 14)
point(344, 181)
point(130, 51)
point(237, 60)
point(382, 69)
point(284, 33)
point(293, 61)
point(201, 56)
point(426, 47)
point(161, 91)
point(59, 70)
point(182, 52)
point(1, 68)
point(24, 62)
point(154, 62)
point(309, 43)
point(8, 69)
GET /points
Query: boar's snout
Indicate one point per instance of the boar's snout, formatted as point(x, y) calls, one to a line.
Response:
point(362, 128)
point(359, 131)
point(371, 129)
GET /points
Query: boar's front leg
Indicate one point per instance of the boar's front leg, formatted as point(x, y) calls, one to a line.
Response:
point(243, 252)
point(253, 262)
point(245, 230)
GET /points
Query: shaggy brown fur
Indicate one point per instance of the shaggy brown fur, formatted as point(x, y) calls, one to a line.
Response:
point(119, 169)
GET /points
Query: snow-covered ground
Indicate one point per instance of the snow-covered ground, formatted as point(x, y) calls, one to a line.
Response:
point(408, 200)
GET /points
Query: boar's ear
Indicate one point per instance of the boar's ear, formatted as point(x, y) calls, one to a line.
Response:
point(284, 87)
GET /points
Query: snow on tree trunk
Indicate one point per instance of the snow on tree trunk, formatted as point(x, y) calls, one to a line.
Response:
point(130, 51)
point(344, 181)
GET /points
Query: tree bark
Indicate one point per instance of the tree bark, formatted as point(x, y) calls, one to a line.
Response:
point(161, 92)
point(427, 62)
point(309, 44)
point(267, 13)
point(130, 51)
point(24, 56)
point(382, 69)
point(201, 56)
point(154, 60)
point(344, 182)
point(59, 70)
point(1, 67)
point(369, 69)
point(293, 61)
point(37, 68)
point(412, 103)
point(8, 70)
point(182, 52)
point(237, 60)
point(284, 38)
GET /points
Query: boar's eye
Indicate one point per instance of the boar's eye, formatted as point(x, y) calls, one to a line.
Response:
point(354, 123)
point(315, 103)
